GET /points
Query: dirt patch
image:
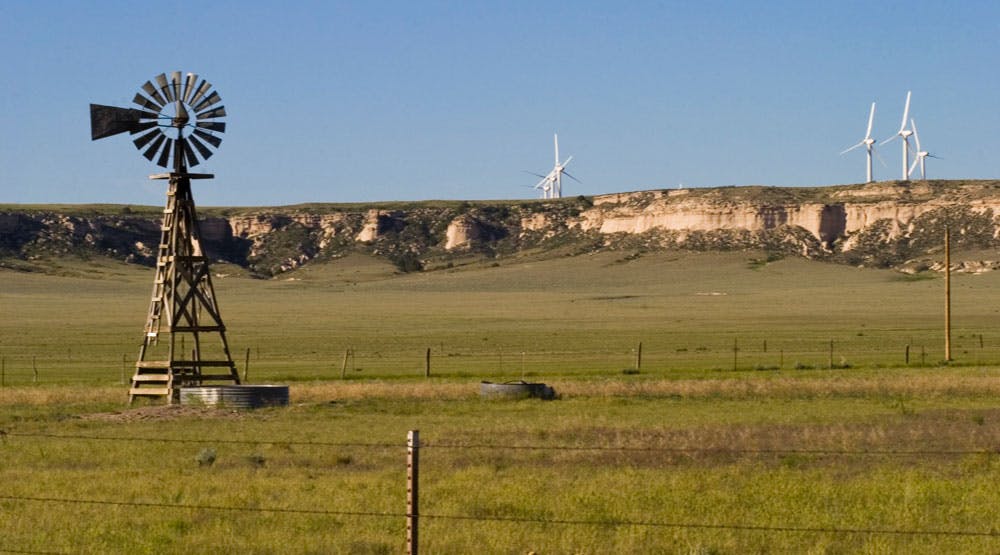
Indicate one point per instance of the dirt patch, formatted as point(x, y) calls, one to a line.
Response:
point(165, 412)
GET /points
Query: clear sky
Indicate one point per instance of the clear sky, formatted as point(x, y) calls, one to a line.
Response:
point(369, 101)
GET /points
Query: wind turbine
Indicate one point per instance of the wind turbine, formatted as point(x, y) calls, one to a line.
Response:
point(922, 155)
point(868, 141)
point(905, 134)
point(551, 184)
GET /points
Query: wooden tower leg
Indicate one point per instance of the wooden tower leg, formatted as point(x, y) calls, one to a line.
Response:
point(182, 305)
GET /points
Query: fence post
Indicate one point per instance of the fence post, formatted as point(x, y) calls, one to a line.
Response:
point(907, 355)
point(34, 371)
point(343, 367)
point(412, 480)
point(736, 350)
point(638, 357)
point(427, 363)
point(3, 372)
point(831, 355)
point(246, 366)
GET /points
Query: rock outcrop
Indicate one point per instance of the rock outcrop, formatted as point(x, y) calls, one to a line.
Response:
point(883, 224)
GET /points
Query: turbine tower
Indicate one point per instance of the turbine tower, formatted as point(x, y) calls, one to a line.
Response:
point(551, 184)
point(905, 134)
point(922, 155)
point(868, 141)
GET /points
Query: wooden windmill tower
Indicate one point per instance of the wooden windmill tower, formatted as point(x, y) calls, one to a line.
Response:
point(176, 117)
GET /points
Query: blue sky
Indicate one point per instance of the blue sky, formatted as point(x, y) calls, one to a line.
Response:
point(371, 101)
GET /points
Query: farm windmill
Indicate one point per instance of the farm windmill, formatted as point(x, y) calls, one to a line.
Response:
point(176, 117)
point(905, 134)
point(868, 142)
point(551, 184)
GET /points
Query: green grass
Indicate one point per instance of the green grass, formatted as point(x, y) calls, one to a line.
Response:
point(739, 458)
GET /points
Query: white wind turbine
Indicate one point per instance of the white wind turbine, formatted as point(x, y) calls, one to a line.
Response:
point(551, 184)
point(868, 141)
point(922, 155)
point(905, 134)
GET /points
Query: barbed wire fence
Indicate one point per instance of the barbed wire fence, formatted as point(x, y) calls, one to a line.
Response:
point(412, 516)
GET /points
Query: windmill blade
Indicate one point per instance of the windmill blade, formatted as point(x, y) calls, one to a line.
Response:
point(889, 140)
point(566, 163)
point(161, 81)
point(916, 136)
point(211, 99)
point(165, 154)
point(146, 103)
point(205, 152)
point(906, 112)
point(211, 139)
point(871, 119)
point(567, 174)
point(212, 126)
point(915, 162)
point(192, 160)
point(929, 155)
point(143, 140)
point(852, 148)
point(555, 139)
point(213, 113)
point(189, 83)
point(202, 91)
point(155, 147)
point(155, 94)
point(534, 174)
point(175, 84)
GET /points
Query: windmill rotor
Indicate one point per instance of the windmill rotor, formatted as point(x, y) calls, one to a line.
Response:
point(178, 121)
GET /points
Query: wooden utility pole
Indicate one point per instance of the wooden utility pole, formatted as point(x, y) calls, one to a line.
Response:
point(947, 294)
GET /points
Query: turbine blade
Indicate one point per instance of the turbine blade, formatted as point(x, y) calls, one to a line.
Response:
point(567, 174)
point(879, 156)
point(566, 163)
point(929, 155)
point(852, 148)
point(534, 174)
point(916, 136)
point(889, 140)
point(555, 139)
point(916, 161)
point(871, 119)
point(906, 112)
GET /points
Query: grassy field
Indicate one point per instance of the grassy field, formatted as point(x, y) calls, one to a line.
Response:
point(702, 450)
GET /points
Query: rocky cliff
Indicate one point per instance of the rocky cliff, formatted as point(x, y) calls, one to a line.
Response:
point(880, 224)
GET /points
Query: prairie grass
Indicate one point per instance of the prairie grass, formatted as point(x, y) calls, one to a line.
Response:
point(691, 454)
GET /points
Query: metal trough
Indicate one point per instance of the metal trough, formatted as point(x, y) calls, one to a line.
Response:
point(235, 396)
point(515, 390)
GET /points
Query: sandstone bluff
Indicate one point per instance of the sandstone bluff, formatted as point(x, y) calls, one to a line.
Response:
point(883, 224)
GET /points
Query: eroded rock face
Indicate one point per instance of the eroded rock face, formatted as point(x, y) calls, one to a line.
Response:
point(882, 222)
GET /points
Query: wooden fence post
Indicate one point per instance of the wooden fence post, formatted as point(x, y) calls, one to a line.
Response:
point(427, 363)
point(343, 367)
point(736, 350)
point(638, 357)
point(246, 367)
point(412, 481)
point(907, 355)
point(831, 355)
point(3, 372)
point(34, 371)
